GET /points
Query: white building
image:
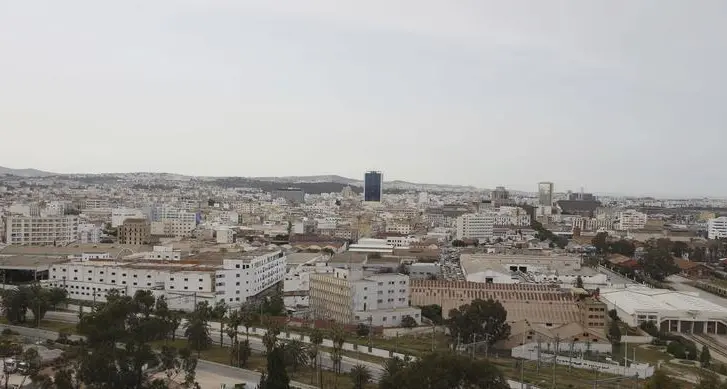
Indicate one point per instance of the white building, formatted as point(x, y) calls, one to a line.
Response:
point(89, 233)
point(34, 230)
point(630, 220)
point(370, 245)
point(296, 287)
point(717, 228)
point(224, 235)
point(232, 280)
point(118, 215)
point(401, 241)
point(351, 296)
point(163, 253)
point(671, 311)
point(478, 226)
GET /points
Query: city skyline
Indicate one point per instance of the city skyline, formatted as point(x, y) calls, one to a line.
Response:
point(620, 98)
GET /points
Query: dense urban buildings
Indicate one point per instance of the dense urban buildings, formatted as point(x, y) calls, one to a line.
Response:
point(294, 195)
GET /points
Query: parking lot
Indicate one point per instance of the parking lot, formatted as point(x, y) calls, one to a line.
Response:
point(451, 271)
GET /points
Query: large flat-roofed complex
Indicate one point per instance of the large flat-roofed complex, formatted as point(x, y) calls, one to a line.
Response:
point(233, 278)
point(39, 230)
point(521, 263)
point(671, 311)
point(717, 228)
point(539, 304)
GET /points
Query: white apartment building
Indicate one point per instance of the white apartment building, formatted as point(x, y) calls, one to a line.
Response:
point(512, 216)
point(54, 208)
point(478, 226)
point(224, 235)
point(630, 220)
point(401, 241)
point(296, 286)
point(88, 233)
point(717, 228)
point(96, 203)
point(118, 215)
point(35, 230)
point(233, 280)
point(350, 297)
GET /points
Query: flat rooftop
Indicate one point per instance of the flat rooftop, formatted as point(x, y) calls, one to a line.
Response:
point(300, 258)
point(73, 249)
point(28, 262)
point(635, 299)
point(348, 257)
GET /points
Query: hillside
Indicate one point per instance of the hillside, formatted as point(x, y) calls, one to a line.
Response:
point(24, 172)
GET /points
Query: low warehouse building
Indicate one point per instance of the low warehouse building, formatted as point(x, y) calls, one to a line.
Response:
point(671, 311)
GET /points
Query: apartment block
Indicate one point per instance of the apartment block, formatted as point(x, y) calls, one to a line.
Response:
point(36, 230)
point(352, 296)
point(478, 226)
point(630, 220)
point(717, 228)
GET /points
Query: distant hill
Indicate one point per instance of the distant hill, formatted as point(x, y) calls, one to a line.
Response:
point(24, 172)
point(396, 184)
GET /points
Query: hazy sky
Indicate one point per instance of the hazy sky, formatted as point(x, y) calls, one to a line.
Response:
point(616, 96)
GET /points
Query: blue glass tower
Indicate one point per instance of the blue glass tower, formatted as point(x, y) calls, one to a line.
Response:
point(373, 186)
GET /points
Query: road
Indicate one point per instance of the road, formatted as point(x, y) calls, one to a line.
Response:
point(256, 344)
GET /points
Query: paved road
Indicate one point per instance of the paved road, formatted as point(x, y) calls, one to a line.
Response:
point(256, 344)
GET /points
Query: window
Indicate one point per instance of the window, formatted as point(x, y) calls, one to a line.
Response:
point(171, 278)
point(75, 270)
point(200, 280)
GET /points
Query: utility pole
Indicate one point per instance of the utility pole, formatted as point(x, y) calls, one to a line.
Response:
point(433, 328)
point(537, 366)
point(371, 330)
point(555, 357)
point(570, 355)
point(522, 366)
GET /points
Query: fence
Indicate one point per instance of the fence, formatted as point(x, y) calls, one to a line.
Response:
point(637, 339)
point(529, 352)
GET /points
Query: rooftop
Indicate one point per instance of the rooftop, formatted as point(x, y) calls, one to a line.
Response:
point(111, 248)
point(631, 300)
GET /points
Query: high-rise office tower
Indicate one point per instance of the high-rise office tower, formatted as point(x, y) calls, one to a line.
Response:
point(545, 193)
point(373, 187)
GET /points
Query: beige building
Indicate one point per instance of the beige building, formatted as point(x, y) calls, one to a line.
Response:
point(37, 230)
point(352, 296)
point(135, 231)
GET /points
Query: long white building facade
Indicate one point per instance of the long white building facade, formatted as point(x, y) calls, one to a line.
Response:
point(233, 280)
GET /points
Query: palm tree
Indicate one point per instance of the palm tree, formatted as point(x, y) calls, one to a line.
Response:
point(270, 338)
point(360, 376)
point(234, 319)
point(296, 354)
point(316, 339)
point(248, 320)
point(339, 337)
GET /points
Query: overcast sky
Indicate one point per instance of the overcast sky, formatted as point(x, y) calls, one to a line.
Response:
point(615, 96)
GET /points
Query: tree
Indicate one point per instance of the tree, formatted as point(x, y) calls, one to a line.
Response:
point(705, 358)
point(362, 330)
point(433, 313)
point(57, 296)
point(623, 247)
point(248, 320)
point(242, 352)
point(657, 262)
point(458, 243)
point(579, 282)
point(316, 339)
point(408, 322)
point(483, 319)
point(441, 371)
point(118, 345)
point(275, 377)
point(614, 333)
point(660, 380)
point(360, 376)
point(15, 305)
point(339, 338)
point(31, 359)
point(600, 242)
point(613, 315)
point(296, 354)
point(197, 328)
point(274, 305)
